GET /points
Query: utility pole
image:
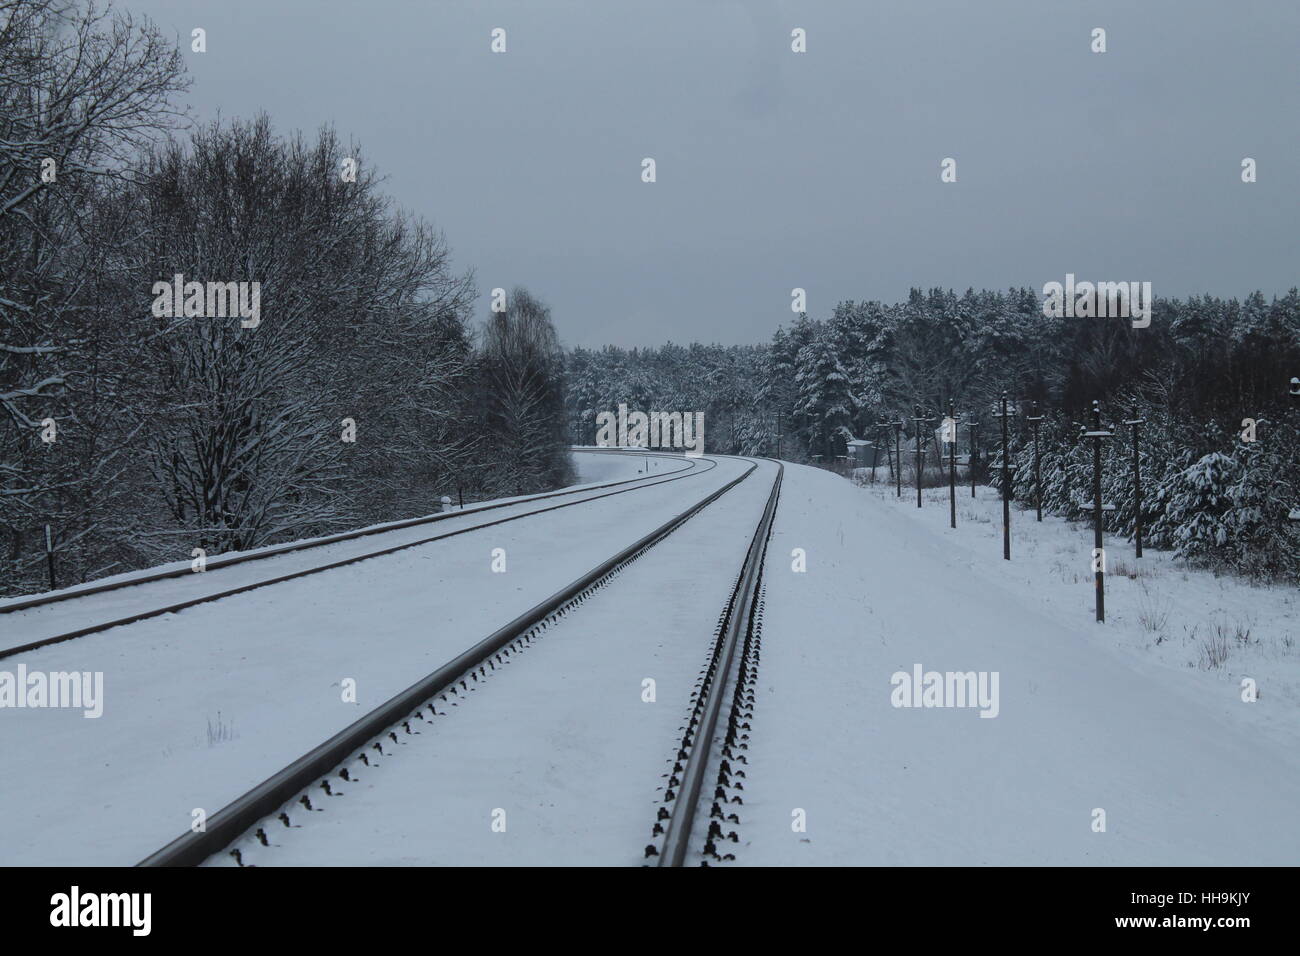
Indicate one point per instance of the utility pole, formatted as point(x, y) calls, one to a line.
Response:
point(1137, 424)
point(1294, 513)
point(1034, 418)
point(875, 453)
point(778, 435)
point(950, 430)
point(1004, 414)
point(1098, 434)
point(897, 426)
point(920, 451)
point(972, 425)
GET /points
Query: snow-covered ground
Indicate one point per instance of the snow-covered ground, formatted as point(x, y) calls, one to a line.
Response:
point(21, 627)
point(1140, 719)
point(596, 467)
point(1121, 717)
point(202, 704)
point(1223, 627)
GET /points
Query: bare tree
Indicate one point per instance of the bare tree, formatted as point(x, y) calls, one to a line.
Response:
point(362, 321)
point(81, 90)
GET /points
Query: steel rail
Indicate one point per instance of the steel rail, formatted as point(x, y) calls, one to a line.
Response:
point(230, 822)
point(266, 582)
point(739, 619)
point(219, 562)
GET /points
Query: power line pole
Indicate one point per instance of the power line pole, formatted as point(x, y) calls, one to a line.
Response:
point(897, 426)
point(972, 425)
point(1004, 414)
point(1098, 434)
point(950, 433)
point(1137, 424)
point(1034, 418)
point(918, 420)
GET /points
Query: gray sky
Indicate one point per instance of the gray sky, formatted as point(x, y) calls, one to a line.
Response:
point(778, 169)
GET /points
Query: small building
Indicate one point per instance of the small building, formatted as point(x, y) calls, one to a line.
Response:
point(865, 454)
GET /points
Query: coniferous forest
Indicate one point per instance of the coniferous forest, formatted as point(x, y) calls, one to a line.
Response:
point(1199, 375)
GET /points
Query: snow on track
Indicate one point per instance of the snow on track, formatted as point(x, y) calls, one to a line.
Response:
point(559, 739)
point(265, 669)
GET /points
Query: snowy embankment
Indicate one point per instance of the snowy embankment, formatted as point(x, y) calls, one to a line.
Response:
point(202, 704)
point(593, 468)
point(1223, 627)
point(1125, 723)
point(22, 627)
point(597, 466)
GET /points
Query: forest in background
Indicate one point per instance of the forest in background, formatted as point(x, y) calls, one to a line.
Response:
point(1201, 368)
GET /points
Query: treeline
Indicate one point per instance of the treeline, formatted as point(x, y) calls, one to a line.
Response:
point(1220, 490)
point(1200, 368)
point(726, 383)
point(138, 433)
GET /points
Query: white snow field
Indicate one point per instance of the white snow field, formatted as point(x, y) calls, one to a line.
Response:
point(1091, 716)
point(202, 704)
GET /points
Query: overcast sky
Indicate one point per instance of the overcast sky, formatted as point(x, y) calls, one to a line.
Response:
point(776, 169)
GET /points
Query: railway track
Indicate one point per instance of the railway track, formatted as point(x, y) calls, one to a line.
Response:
point(696, 467)
point(313, 772)
point(703, 747)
